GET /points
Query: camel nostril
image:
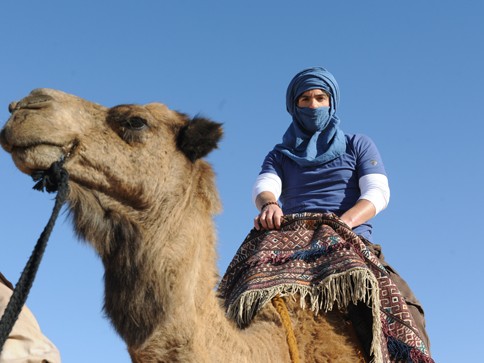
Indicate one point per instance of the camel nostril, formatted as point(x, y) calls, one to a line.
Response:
point(12, 106)
point(34, 102)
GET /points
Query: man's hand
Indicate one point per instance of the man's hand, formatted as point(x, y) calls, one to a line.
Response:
point(269, 218)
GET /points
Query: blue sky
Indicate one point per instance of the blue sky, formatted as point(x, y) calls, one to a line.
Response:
point(410, 75)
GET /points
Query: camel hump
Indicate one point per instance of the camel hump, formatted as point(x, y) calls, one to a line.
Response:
point(199, 137)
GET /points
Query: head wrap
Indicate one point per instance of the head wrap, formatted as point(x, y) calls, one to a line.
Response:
point(313, 138)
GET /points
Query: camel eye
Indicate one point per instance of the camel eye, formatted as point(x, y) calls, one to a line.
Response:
point(134, 123)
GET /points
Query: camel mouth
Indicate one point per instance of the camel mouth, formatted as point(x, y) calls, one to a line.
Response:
point(39, 157)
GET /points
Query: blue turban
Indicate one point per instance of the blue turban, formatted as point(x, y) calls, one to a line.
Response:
point(323, 142)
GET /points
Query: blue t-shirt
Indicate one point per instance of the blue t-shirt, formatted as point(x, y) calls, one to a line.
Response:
point(330, 187)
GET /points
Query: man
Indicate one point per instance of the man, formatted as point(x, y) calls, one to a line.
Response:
point(318, 168)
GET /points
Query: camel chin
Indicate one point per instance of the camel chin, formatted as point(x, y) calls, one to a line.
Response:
point(39, 157)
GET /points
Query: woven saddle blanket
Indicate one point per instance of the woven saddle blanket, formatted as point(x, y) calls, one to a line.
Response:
point(318, 257)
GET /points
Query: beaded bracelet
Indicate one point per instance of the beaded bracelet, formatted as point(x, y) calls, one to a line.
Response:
point(267, 204)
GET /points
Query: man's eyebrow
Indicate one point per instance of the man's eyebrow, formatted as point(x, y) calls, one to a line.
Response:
point(323, 93)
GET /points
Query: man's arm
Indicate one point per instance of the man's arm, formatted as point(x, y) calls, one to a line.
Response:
point(361, 212)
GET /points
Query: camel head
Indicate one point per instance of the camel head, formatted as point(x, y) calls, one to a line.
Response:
point(133, 171)
point(125, 155)
point(128, 159)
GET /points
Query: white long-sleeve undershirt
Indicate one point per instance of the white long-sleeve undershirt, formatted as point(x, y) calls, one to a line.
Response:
point(373, 187)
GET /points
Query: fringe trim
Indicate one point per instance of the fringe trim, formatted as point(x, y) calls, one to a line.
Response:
point(351, 286)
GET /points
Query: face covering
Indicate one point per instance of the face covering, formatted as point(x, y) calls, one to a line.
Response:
point(314, 137)
point(312, 119)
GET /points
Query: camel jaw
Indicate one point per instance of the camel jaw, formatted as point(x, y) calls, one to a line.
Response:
point(35, 158)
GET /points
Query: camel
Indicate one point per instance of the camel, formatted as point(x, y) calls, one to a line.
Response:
point(141, 194)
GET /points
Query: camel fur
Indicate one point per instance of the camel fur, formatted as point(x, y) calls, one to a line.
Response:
point(142, 196)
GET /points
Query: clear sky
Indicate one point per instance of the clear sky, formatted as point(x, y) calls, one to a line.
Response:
point(411, 77)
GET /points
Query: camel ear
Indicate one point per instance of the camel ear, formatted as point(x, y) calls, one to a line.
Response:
point(198, 137)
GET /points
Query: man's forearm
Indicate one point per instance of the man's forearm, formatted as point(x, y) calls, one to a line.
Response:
point(360, 213)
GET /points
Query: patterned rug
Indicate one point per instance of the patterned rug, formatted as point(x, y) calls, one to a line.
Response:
point(318, 257)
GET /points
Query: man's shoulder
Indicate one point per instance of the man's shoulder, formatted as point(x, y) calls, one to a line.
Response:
point(359, 142)
point(358, 138)
point(276, 154)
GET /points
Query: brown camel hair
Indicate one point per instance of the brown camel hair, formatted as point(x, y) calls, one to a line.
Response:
point(143, 197)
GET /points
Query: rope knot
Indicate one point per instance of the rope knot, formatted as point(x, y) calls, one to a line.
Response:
point(50, 179)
